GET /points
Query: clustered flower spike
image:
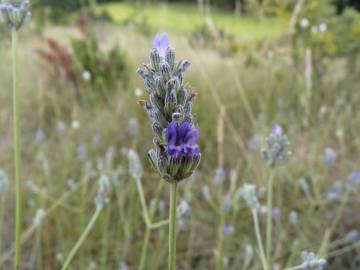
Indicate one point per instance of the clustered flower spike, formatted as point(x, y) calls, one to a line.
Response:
point(310, 261)
point(248, 193)
point(277, 147)
point(104, 192)
point(135, 166)
point(176, 154)
point(15, 13)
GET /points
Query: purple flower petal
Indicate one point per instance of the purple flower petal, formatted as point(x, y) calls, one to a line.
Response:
point(277, 130)
point(161, 43)
point(183, 130)
point(171, 133)
point(182, 140)
point(192, 137)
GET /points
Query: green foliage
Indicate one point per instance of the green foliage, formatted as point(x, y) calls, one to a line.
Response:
point(105, 70)
point(328, 35)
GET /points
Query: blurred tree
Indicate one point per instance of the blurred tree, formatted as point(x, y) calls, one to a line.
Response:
point(342, 4)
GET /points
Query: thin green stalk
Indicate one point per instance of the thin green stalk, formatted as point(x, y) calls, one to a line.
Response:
point(172, 227)
point(259, 240)
point(298, 267)
point(82, 238)
point(328, 233)
point(143, 201)
point(144, 248)
point(148, 217)
point(220, 243)
point(269, 218)
point(17, 149)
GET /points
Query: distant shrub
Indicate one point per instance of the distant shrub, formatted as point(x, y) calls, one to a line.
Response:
point(328, 35)
point(87, 66)
point(60, 60)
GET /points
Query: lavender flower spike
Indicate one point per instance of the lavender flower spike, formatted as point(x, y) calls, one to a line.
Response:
point(277, 147)
point(15, 13)
point(177, 153)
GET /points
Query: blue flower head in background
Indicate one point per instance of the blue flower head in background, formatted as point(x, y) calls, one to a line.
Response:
point(277, 147)
point(177, 153)
point(330, 156)
point(14, 13)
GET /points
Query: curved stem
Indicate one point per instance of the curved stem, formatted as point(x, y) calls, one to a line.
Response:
point(82, 238)
point(259, 240)
point(172, 228)
point(17, 149)
point(269, 219)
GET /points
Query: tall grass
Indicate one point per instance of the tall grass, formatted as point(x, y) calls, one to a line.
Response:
point(252, 91)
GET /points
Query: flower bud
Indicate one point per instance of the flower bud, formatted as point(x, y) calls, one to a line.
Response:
point(156, 102)
point(155, 59)
point(170, 101)
point(170, 58)
point(174, 165)
point(165, 71)
point(162, 164)
point(153, 158)
point(181, 96)
point(158, 130)
point(177, 117)
point(160, 86)
point(150, 85)
point(183, 66)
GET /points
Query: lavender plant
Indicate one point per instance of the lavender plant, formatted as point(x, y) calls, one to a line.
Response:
point(275, 153)
point(176, 153)
point(14, 13)
point(248, 193)
point(101, 199)
point(309, 262)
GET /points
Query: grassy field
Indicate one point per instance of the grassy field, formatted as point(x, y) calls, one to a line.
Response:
point(69, 147)
point(185, 19)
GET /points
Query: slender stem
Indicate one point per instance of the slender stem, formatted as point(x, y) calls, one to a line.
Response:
point(220, 243)
point(82, 238)
point(172, 227)
point(269, 218)
point(298, 267)
point(143, 201)
point(148, 219)
point(159, 224)
point(259, 240)
point(17, 149)
point(144, 248)
point(339, 212)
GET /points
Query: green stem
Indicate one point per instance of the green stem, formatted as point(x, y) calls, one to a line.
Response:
point(269, 219)
point(298, 267)
point(143, 201)
point(172, 227)
point(17, 149)
point(259, 240)
point(220, 243)
point(144, 248)
point(82, 238)
point(148, 219)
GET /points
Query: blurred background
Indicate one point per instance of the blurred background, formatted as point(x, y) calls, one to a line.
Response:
point(254, 63)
